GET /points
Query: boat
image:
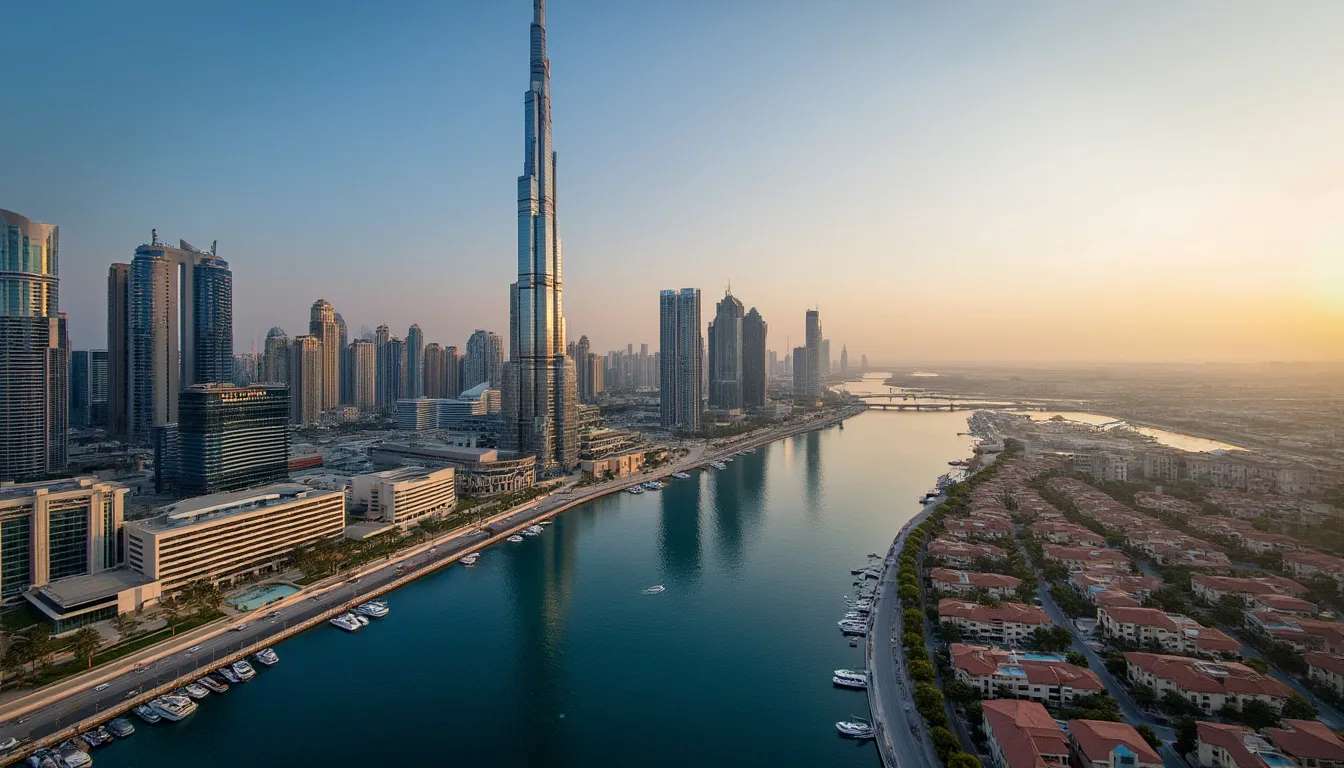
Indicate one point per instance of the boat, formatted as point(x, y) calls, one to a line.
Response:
point(635, 490)
point(71, 756)
point(656, 589)
point(243, 670)
point(173, 707)
point(718, 465)
point(95, 739)
point(228, 674)
point(214, 684)
point(532, 530)
point(850, 678)
point(43, 758)
point(545, 522)
point(375, 608)
point(471, 559)
point(147, 713)
point(121, 727)
point(363, 620)
point(652, 485)
point(853, 627)
point(515, 538)
point(267, 657)
point(854, 729)
point(347, 621)
point(196, 691)
point(682, 475)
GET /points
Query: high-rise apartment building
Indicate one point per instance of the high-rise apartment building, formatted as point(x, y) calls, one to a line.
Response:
point(394, 370)
point(343, 359)
point(364, 375)
point(322, 326)
point(484, 360)
point(275, 357)
point(755, 370)
point(802, 388)
point(844, 360)
point(431, 378)
point(812, 343)
point(539, 389)
point(824, 360)
point(681, 352)
point(415, 362)
point(385, 399)
point(118, 349)
point(232, 437)
point(178, 329)
point(452, 372)
point(725, 354)
point(34, 350)
point(305, 381)
point(88, 387)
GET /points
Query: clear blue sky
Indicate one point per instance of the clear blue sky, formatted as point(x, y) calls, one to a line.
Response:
point(920, 170)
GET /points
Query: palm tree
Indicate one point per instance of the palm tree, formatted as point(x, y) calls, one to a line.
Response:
point(172, 612)
point(85, 644)
point(38, 645)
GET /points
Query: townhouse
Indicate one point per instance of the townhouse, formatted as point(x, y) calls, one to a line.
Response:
point(1303, 634)
point(1170, 632)
point(1081, 558)
point(1094, 582)
point(960, 582)
point(962, 554)
point(1021, 734)
point(1326, 669)
point(1309, 742)
point(1043, 677)
point(1003, 624)
point(1208, 685)
point(1212, 588)
point(1103, 744)
point(1224, 745)
point(1066, 533)
point(1313, 565)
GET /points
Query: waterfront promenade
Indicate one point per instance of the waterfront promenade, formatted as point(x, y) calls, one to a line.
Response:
point(902, 739)
point(54, 712)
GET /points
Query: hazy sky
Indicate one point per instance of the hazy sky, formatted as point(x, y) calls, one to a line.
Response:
point(947, 180)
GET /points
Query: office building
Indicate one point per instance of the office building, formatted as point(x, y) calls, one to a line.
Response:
point(385, 399)
point(755, 370)
point(681, 355)
point(431, 377)
point(452, 372)
point(484, 360)
point(57, 529)
point(824, 358)
point(812, 344)
point(844, 360)
point(232, 437)
point(394, 370)
point(403, 495)
point(480, 472)
point(540, 392)
point(363, 375)
point(415, 362)
point(725, 354)
point(343, 359)
point(305, 381)
point(275, 357)
point(118, 350)
point(88, 387)
point(34, 350)
point(178, 330)
point(224, 536)
point(322, 326)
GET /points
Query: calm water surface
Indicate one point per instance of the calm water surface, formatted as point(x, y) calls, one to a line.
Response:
point(547, 653)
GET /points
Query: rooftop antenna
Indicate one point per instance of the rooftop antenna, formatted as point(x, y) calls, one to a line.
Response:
point(214, 247)
point(154, 236)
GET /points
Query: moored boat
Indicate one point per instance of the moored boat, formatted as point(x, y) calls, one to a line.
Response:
point(147, 713)
point(854, 729)
point(267, 657)
point(243, 670)
point(514, 539)
point(347, 621)
point(173, 707)
point(121, 727)
point(375, 608)
point(213, 683)
point(471, 559)
point(850, 678)
point(196, 691)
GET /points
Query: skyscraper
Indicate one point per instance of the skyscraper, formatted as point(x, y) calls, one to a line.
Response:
point(681, 353)
point(322, 326)
point(232, 437)
point(725, 354)
point(394, 370)
point(343, 358)
point(385, 399)
point(844, 360)
point(802, 387)
point(484, 360)
point(275, 357)
point(812, 343)
point(754, 367)
point(540, 396)
point(118, 349)
point(452, 372)
point(824, 361)
point(178, 330)
point(415, 362)
point(431, 384)
point(88, 387)
point(364, 375)
point(34, 350)
point(305, 381)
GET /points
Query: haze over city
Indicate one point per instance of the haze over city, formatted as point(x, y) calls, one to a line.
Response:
point(978, 182)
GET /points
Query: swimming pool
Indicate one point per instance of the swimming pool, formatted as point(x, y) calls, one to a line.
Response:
point(261, 595)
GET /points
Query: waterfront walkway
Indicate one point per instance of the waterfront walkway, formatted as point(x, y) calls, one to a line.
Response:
point(902, 739)
point(64, 708)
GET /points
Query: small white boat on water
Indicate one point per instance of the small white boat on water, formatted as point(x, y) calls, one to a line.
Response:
point(652, 485)
point(656, 589)
point(514, 539)
point(267, 657)
point(850, 678)
point(854, 729)
point(718, 465)
point(374, 608)
point(173, 707)
point(682, 475)
point(243, 670)
point(147, 713)
point(634, 490)
point(196, 691)
point(470, 560)
point(852, 627)
point(347, 621)
point(533, 530)
point(213, 684)
point(228, 674)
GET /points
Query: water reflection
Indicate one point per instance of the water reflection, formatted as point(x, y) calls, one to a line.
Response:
point(812, 472)
point(739, 503)
point(679, 528)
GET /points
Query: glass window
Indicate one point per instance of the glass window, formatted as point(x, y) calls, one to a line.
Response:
point(68, 543)
point(15, 555)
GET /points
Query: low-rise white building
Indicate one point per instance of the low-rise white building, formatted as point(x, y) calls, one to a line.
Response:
point(403, 495)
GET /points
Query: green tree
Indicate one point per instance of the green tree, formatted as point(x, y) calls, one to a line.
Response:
point(928, 697)
point(1258, 714)
point(921, 671)
point(1150, 736)
point(1187, 735)
point(172, 608)
point(1258, 664)
point(84, 644)
point(951, 632)
point(1051, 639)
point(962, 760)
point(944, 742)
point(1076, 658)
point(1298, 708)
point(38, 645)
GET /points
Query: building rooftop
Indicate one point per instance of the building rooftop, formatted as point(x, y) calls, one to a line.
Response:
point(1308, 740)
point(217, 505)
point(10, 490)
point(78, 590)
point(1199, 676)
point(1025, 732)
point(1097, 739)
point(1246, 748)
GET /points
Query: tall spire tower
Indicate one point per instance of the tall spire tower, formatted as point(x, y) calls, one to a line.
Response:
point(539, 390)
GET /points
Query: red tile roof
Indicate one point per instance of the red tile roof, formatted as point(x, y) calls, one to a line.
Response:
point(1024, 732)
point(1307, 739)
point(1199, 676)
point(979, 580)
point(1096, 739)
point(1006, 612)
point(983, 660)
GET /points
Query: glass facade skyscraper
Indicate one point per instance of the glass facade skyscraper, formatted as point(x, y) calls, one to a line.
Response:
point(34, 351)
point(232, 437)
point(680, 359)
point(725, 354)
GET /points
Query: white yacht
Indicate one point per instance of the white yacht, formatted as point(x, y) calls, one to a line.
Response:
point(173, 707)
point(73, 757)
point(850, 678)
point(228, 674)
point(656, 589)
point(363, 620)
point(470, 559)
point(243, 670)
point(267, 656)
point(853, 627)
point(718, 465)
point(213, 684)
point(652, 485)
point(533, 530)
point(375, 608)
point(514, 539)
point(854, 729)
point(347, 621)
point(196, 691)
point(147, 713)
point(681, 475)
point(635, 490)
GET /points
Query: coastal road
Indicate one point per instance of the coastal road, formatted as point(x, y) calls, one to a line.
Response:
point(902, 738)
point(59, 717)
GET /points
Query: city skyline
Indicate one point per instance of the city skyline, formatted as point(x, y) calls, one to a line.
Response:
point(1255, 239)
